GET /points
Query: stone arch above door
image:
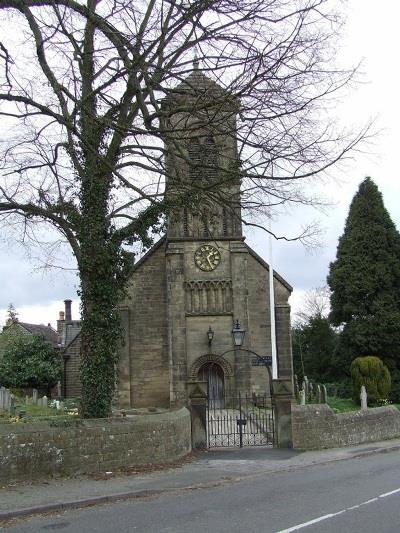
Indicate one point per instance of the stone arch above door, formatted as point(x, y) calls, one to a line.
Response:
point(210, 358)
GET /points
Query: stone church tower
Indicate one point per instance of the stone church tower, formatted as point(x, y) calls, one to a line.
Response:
point(201, 277)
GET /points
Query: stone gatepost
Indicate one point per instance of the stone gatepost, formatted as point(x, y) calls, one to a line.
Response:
point(282, 406)
point(197, 393)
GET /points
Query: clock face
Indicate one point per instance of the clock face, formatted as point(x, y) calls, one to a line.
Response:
point(207, 257)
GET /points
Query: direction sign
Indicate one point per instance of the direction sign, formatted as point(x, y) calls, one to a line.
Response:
point(265, 360)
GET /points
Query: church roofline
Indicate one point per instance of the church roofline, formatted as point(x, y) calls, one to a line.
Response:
point(196, 85)
point(266, 265)
point(163, 240)
point(155, 247)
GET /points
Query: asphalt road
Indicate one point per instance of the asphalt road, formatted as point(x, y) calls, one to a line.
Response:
point(360, 494)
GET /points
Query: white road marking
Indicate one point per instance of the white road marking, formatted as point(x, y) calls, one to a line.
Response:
point(331, 515)
point(389, 493)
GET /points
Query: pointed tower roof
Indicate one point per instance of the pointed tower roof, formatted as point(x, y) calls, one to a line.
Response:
point(198, 86)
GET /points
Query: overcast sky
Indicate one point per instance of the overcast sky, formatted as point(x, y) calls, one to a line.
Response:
point(371, 36)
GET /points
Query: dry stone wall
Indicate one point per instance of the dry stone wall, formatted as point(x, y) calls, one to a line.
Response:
point(35, 451)
point(317, 426)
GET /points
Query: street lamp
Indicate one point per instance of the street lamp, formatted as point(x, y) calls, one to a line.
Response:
point(210, 335)
point(238, 334)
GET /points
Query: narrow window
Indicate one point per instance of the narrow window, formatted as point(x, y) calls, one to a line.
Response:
point(194, 151)
point(210, 157)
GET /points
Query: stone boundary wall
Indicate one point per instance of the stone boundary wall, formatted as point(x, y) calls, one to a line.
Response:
point(317, 426)
point(35, 451)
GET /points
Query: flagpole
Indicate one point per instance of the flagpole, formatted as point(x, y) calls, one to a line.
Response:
point(272, 308)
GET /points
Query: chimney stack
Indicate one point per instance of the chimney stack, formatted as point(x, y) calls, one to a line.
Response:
point(68, 315)
point(60, 321)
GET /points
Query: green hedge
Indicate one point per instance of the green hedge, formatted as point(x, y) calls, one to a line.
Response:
point(374, 375)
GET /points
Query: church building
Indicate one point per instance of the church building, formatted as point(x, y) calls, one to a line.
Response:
point(201, 281)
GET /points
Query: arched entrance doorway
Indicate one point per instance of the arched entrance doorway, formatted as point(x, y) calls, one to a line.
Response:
point(214, 375)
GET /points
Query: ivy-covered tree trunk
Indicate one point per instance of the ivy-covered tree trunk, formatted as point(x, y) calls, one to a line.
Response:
point(99, 298)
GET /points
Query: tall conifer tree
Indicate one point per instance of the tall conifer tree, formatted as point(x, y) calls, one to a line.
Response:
point(365, 281)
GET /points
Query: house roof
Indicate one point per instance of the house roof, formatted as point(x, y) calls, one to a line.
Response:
point(70, 331)
point(50, 334)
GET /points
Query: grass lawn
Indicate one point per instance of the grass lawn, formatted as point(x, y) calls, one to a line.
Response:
point(36, 413)
point(342, 405)
point(345, 405)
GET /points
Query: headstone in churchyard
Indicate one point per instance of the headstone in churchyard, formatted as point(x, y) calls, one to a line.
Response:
point(27, 399)
point(58, 390)
point(310, 391)
point(34, 396)
point(324, 395)
point(44, 401)
point(12, 407)
point(319, 394)
point(6, 399)
point(302, 397)
point(304, 386)
point(2, 391)
point(363, 398)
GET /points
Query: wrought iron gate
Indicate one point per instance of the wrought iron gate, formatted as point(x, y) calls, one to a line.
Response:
point(239, 420)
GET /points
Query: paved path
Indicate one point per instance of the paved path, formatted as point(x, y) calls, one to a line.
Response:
point(209, 469)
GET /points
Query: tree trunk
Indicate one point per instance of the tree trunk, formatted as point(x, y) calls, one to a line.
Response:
point(99, 299)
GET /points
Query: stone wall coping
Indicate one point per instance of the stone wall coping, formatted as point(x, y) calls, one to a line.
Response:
point(325, 410)
point(130, 420)
point(318, 426)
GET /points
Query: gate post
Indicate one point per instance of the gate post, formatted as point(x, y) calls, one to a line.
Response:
point(197, 393)
point(282, 405)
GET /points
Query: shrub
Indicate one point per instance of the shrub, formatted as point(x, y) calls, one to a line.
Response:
point(30, 362)
point(374, 375)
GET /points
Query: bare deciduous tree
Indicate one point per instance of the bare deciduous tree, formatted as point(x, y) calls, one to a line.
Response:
point(316, 304)
point(84, 126)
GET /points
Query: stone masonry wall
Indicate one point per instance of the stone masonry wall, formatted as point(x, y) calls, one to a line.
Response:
point(37, 451)
point(73, 385)
point(144, 380)
point(317, 426)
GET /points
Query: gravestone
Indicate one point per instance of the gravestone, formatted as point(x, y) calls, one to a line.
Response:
point(324, 395)
point(6, 400)
point(310, 391)
point(12, 407)
point(319, 394)
point(363, 398)
point(304, 386)
point(302, 397)
point(34, 396)
point(2, 391)
point(58, 390)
